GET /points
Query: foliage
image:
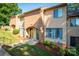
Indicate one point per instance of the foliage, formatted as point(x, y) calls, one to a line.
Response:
point(54, 45)
point(28, 50)
point(71, 52)
point(6, 11)
point(77, 48)
point(47, 42)
point(72, 6)
point(15, 31)
point(6, 29)
point(7, 38)
point(62, 51)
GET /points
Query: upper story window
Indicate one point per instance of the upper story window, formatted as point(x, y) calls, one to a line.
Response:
point(74, 22)
point(58, 12)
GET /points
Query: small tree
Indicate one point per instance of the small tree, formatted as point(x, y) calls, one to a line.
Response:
point(7, 10)
point(72, 6)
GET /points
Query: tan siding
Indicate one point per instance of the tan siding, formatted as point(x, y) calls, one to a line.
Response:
point(51, 22)
point(31, 20)
point(72, 31)
point(12, 21)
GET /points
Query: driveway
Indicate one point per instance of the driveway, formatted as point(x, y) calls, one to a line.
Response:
point(3, 52)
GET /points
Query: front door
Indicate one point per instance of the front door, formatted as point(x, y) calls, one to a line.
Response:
point(37, 34)
point(30, 32)
point(33, 33)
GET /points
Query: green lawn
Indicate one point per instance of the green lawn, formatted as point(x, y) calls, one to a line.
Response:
point(7, 38)
point(28, 50)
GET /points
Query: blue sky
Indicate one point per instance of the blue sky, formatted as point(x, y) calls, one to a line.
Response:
point(29, 6)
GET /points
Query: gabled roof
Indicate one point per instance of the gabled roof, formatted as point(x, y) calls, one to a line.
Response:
point(32, 10)
point(57, 6)
point(22, 15)
point(47, 8)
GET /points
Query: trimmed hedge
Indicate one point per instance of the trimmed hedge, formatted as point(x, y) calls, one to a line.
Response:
point(62, 51)
point(71, 52)
point(47, 42)
point(15, 31)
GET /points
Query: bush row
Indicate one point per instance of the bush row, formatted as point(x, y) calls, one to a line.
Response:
point(63, 51)
point(16, 31)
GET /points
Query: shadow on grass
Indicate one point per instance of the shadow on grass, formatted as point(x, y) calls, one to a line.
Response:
point(28, 50)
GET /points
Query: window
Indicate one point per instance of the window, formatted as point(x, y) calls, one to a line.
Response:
point(13, 26)
point(48, 32)
point(74, 22)
point(54, 33)
point(72, 41)
point(58, 13)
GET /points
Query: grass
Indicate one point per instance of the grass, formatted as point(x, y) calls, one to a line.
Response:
point(28, 50)
point(7, 38)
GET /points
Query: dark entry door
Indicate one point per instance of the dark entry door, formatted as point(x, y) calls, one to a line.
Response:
point(74, 41)
point(37, 34)
point(30, 32)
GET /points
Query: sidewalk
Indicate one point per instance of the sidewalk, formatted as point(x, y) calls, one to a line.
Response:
point(32, 41)
point(3, 52)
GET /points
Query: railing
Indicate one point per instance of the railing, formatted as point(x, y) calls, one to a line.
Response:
point(73, 12)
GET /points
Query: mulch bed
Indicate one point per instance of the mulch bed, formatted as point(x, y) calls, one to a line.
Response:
point(54, 51)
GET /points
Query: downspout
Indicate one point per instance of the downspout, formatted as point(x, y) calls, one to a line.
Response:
point(67, 26)
point(23, 30)
point(42, 13)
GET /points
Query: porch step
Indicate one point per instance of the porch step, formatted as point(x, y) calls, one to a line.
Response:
point(32, 41)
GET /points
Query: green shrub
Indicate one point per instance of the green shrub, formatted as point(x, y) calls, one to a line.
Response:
point(6, 29)
point(15, 31)
point(46, 42)
point(54, 45)
point(62, 51)
point(71, 52)
point(77, 48)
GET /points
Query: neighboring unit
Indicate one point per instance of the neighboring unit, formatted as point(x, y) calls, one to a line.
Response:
point(55, 19)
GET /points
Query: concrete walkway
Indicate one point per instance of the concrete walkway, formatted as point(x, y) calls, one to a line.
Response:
point(3, 52)
point(32, 41)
